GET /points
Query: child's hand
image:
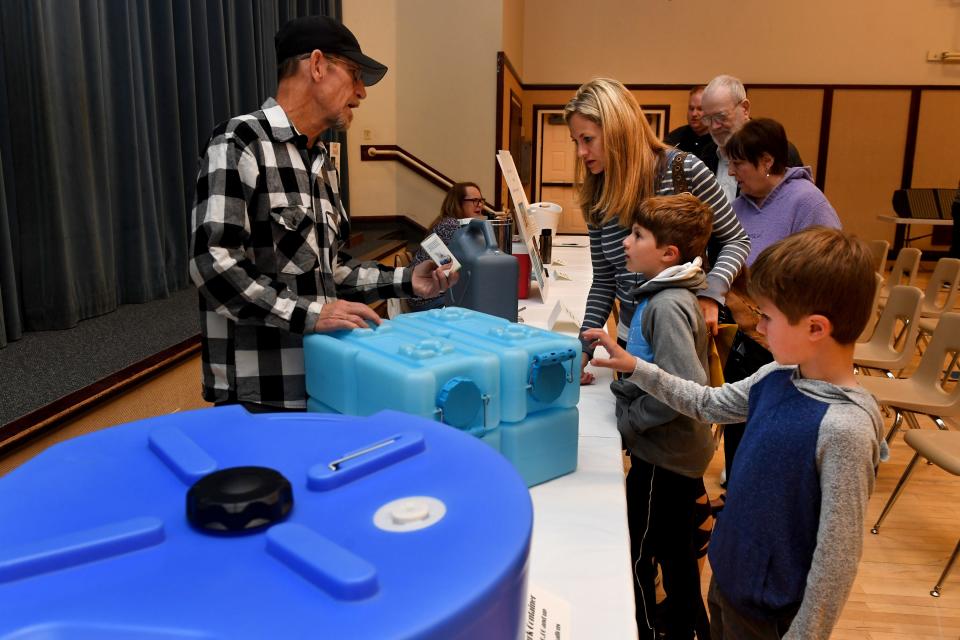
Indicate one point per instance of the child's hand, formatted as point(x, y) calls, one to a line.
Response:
point(619, 359)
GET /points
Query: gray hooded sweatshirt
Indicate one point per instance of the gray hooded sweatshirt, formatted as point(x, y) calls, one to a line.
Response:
point(849, 446)
point(672, 324)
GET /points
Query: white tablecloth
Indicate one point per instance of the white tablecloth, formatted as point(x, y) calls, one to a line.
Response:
point(580, 549)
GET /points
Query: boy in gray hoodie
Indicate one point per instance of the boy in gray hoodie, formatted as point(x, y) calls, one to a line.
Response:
point(785, 549)
point(669, 452)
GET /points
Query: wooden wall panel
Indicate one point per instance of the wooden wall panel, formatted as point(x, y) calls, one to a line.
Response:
point(937, 162)
point(864, 166)
point(799, 111)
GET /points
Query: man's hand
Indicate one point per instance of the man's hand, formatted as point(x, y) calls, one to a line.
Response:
point(585, 376)
point(619, 360)
point(341, 314)
point(429, 281)
point(711, 313)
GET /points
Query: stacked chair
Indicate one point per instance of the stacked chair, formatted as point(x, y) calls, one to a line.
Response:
point(939, 296)
point(931, 390)
point(941, 448)
point(890, 347)
point(879, 249)
point(903, 271)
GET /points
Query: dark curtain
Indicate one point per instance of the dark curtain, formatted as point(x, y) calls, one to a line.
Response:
point(104, 106)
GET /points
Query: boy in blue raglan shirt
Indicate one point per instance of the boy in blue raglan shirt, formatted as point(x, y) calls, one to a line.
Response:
point(786, 547)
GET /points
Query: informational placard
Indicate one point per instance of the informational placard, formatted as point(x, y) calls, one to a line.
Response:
point(546, 617)
point(521, 212)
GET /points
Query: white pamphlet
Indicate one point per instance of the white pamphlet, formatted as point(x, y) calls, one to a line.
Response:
point(439, 252)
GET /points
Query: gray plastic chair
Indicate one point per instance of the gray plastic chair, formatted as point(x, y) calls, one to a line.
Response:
point(946, 275)
point(903, 271)
point(931, 390)
point(872, 321)
point(879, 249)
point(941, 448)
point(890, 347)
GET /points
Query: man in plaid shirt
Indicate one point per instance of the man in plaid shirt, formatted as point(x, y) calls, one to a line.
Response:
point(268, 225)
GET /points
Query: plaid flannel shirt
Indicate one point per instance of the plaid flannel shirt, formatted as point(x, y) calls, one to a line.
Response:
point(268, 225)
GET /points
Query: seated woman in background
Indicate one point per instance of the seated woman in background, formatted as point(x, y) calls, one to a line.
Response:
point(775, 200)
point(463, 200)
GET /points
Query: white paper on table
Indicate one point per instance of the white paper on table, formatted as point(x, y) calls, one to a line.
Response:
point(561, 314)
point(546, 616)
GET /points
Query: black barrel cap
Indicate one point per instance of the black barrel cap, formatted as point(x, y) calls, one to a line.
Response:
point(239, 500)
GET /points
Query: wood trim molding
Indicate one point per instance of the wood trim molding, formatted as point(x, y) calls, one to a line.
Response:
point(395, 219)
point(47, 418)
point(497, 174)
point(534, 174)
point(759, 85)
point(823, 148)
point(368, 152)
point(910, 148)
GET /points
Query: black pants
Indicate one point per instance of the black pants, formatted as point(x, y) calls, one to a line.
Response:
point(664, 520)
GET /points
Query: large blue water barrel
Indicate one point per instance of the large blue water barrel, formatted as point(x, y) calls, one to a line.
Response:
point(221, 524)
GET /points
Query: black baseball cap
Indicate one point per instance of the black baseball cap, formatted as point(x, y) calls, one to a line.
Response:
point(303, 35)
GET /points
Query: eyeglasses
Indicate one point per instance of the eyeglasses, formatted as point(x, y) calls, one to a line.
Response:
point(351, 68)
point(718, 118)
point(477, 202)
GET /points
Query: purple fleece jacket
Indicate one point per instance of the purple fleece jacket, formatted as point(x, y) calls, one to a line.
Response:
point(794, 204)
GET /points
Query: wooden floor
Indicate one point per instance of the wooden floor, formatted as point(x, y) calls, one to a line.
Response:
point(890, 598)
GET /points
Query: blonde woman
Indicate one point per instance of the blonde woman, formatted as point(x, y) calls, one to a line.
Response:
point(621, 163)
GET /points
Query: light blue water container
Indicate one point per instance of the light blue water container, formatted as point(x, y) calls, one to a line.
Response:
point(544, 445)
point(539, 369)
point(490, 436)
point(220, 524)
point(363, 371)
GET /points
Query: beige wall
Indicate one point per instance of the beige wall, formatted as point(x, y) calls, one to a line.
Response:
point(512, 40)
point(441, 105)
point(373, 185)
point(687, 42)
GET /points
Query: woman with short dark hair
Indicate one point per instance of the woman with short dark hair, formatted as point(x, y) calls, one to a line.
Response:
point(775, 200)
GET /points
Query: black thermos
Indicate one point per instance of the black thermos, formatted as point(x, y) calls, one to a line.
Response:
point(546, 246)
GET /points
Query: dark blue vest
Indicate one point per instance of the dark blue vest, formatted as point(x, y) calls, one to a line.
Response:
point(763, 542)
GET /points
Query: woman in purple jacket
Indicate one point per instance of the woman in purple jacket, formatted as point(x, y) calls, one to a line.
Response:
point(775, 200)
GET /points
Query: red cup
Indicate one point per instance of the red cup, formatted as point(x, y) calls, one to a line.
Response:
point(523, 275)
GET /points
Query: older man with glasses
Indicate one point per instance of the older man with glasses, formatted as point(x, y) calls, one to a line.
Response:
point(268, 227)
point(725, 110)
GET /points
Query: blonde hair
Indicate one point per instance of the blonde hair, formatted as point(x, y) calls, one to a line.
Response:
point(818, 271)
point(632, 152)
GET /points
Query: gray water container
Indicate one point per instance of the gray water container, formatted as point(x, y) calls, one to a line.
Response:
point(488, 277)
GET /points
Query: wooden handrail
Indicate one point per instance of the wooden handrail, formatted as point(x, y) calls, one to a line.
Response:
point(382, 152)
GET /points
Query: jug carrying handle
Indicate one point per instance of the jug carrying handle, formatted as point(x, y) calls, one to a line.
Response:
point(486, 230)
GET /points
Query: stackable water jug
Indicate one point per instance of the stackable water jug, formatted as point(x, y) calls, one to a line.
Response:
point(222, 524)
point(390, 366)
point(488, 277)
point(539, 369)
